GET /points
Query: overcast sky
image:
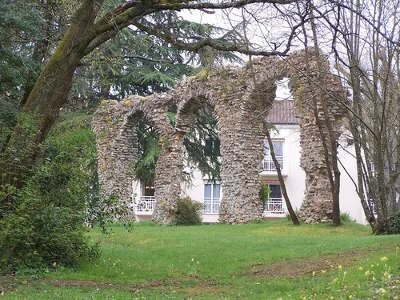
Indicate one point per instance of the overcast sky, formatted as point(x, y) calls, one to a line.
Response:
point(226, 19)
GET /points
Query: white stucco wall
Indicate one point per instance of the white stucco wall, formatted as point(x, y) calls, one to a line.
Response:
point(349, 200)
point(195, 190)
point(293, 174)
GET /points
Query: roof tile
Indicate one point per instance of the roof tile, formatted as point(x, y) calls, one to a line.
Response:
point(282, 112)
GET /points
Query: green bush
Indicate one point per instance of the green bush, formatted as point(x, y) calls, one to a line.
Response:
point(263, 194)
point(40, 234)
point(394, 223)
point(345, 218)
point(188, 212)
point(7, 197)
point(48, 223)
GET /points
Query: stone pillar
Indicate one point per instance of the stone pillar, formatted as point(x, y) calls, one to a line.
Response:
point(168, 177)
point(241, 134)
point(124, 155)
point(116, 153)
point(317, 203)
point(241, 161)
point(309, 96)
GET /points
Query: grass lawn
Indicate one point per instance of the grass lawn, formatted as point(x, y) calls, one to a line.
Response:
point(270, 260)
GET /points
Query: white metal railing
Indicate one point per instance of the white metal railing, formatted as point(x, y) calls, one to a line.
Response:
point(145, 205)
point(268, 163)
point(211, 206)
point(275, 206)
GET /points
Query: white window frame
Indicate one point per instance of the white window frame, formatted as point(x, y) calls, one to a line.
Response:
point(268, 163)
point(275, 205)
point(211, 205)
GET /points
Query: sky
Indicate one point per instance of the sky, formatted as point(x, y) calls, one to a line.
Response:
point(226, 19)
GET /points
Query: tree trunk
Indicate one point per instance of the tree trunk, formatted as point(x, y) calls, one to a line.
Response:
point(382, 226)
point(360, 181)
point(47, 96)
point(330, 151)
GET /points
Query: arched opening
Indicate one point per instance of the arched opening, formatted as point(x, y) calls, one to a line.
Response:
point(240, 100)
point(192, 142)
point(202, 143)
point(284, 131)
point(133, 154)
point(144, 166)
point(202, 167)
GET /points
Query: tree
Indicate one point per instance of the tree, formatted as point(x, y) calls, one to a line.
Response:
point(364, 38)
point(376, 107)
point(202, 144)
point(91, 25)
point(263, 194)
point(18, 27)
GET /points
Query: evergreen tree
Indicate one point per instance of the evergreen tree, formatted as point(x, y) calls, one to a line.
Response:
point(92, 24)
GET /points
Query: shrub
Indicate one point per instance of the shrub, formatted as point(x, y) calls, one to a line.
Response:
point(187, 212)
point(345, 218)
point(394, 224)
point(40, 234)
point(47, 225)
point(7, 197)
point(263, 194)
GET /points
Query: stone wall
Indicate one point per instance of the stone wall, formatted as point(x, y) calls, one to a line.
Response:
point(114, 124)
point(241, 99)
point(312, 86)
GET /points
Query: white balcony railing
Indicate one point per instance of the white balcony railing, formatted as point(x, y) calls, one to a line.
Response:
point(274, 206)
point(211, 206)
point(268, 163)
point(145, 206)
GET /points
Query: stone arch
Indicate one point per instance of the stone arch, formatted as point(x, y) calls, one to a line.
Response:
point(118, 145)
point(189, 97)
point(241, 133)
point(241, 99)
point(305, 85)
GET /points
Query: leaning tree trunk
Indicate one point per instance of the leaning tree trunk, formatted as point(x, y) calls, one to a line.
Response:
point(292, 213)
point(47, 97)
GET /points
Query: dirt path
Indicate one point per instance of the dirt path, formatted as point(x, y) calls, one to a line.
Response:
point(305, 266)
point(288, 269)
point(132, 287)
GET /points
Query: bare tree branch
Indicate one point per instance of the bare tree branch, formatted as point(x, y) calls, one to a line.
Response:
point(217, 44)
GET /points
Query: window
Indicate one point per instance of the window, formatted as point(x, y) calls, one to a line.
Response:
point(268, 164)
point(275, 191)
point(212, 147)
point(212, 194)
point(275, 203)
point(145, 203)
point(146, 189)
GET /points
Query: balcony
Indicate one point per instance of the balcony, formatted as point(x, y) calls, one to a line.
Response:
point(269, 166)
point(275, 207)
point(145, 206)
point(211, 206)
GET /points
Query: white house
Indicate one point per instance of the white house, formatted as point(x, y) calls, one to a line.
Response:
point(286, 140)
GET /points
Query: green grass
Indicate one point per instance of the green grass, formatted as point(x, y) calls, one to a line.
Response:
point(215, 262)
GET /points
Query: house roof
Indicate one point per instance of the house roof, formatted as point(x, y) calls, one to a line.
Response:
point(282, 112)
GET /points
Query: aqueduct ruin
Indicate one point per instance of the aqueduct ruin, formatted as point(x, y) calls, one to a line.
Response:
point(241, 99)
